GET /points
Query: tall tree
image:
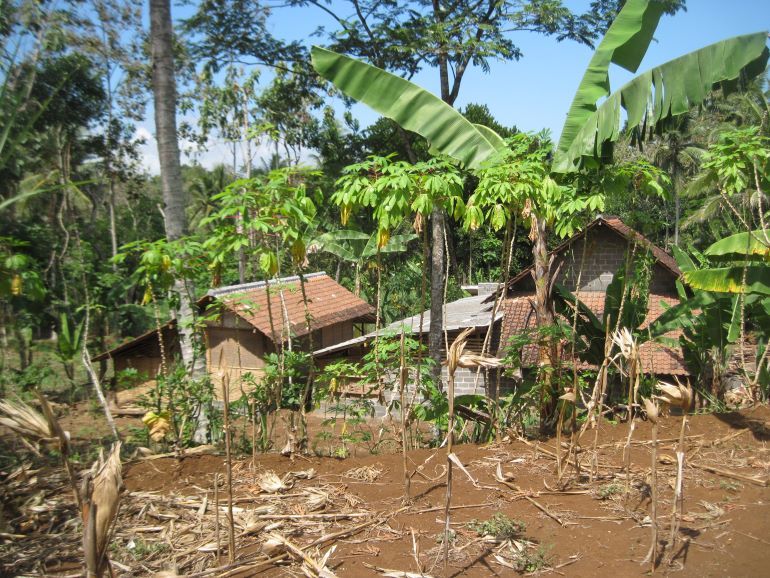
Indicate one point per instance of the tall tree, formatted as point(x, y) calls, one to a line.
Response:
point(175, 218)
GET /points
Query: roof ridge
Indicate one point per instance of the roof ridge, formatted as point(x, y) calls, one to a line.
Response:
point(219, 291)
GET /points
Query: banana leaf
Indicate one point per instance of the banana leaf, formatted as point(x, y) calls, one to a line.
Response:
point(625, 44)
point(589, 329)
point(667, 90)
point(741, 245)
point(412, 107)
point(619, 303)
point(730, 279)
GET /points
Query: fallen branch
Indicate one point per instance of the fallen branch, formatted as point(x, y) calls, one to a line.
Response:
point(764, 482)
point(396, 573)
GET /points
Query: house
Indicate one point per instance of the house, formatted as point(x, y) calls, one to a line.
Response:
point(601, 247)
point(241, 329)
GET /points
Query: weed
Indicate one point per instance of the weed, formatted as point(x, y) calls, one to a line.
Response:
point(608, 491)
point(140, 550)
point(730, 486)
point(452, 537)
point(500, 526)
point(534, 561)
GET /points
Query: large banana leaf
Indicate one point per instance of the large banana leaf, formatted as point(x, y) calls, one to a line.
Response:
point(741, 245)
point(412, 107)
point(666, 90)
point(624, 44)
point(730, 279)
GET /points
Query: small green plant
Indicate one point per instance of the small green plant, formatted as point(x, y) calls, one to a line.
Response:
point(183, 400)
point(500, 526)
point(141, 550)
point(730, 486)
point(128, 378)
point(608, 491)
point(452, 537)
point(534, 561)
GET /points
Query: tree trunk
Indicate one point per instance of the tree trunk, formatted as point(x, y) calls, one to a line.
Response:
point(175, 220)
point(438, 255)
point(436, 292)
point(548, 350)
point(164, 92)
point(677, 212)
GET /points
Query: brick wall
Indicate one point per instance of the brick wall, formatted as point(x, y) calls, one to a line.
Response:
point(605, 253)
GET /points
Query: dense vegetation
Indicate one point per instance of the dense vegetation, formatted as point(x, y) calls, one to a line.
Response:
point(95, 249)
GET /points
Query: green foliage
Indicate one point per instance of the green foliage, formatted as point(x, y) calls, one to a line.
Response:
point(396, 190)
point(499, 526)
point(672, 88)
point(251, 211)
point(285, 376)
point(445, 129)
point(626, 304)
point(625, 44)
point(609, 491)
point(517, 181)
point(183, 400)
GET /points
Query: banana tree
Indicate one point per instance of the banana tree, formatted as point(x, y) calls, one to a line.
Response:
point(69, 343)
point(712, 320)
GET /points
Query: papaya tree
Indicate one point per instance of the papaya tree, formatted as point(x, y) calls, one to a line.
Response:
point(396, 191)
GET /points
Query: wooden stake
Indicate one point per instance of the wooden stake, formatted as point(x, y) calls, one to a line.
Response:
point(229, 467)
point(450, 439)
point(216, 518)
point(404, 417)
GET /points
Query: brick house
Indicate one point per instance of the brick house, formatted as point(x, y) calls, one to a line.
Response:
point(601, 248)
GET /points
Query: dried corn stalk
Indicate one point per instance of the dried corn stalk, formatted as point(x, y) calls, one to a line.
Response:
point(680, 396)
point(270, 483)
point(101, 494)
point(651, 409)
point(25, 421)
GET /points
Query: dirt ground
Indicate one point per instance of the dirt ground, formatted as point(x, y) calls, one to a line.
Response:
point(169, 518)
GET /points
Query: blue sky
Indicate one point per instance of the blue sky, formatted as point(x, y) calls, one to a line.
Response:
point(535, 92)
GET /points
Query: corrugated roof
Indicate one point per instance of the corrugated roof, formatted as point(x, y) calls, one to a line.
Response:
point(518, 316)
point(466, 312)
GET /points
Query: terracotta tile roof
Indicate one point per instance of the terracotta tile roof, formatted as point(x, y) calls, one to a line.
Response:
point(519, 315)
point(632, 235)
point(328, 303)
point(618, 227)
